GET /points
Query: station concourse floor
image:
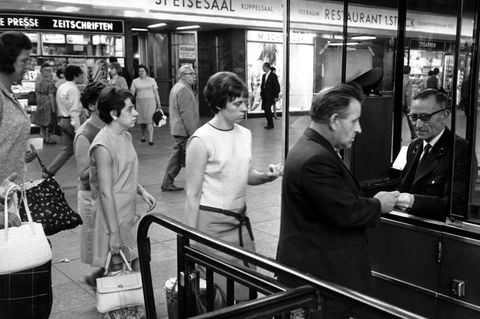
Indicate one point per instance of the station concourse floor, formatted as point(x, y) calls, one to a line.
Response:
point(73, 298)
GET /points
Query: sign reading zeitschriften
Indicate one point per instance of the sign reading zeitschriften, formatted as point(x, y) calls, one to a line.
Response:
point(52, 23)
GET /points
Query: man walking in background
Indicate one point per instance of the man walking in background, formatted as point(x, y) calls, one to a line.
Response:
point(270, 88)
point(69, 109)
point(183, 109)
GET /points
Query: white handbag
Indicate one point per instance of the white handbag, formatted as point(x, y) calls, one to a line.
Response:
point(25, 246)
point(121, 290)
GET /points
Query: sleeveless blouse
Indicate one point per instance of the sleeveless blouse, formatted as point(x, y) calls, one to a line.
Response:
point(228, 163)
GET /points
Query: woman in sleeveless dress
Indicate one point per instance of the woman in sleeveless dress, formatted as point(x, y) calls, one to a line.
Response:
point(219, 168)
point(82, 142)
point(114, 179)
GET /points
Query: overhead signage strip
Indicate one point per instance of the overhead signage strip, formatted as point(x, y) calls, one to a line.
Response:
point(51, 23)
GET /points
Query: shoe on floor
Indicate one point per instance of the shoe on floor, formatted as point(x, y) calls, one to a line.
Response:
point(171, 188)
point(268, 127)
point(143, 140)
point(91, 279)
point(150, 143)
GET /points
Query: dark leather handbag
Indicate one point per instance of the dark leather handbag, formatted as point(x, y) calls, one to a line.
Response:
point(159, 118)
point(48, 205)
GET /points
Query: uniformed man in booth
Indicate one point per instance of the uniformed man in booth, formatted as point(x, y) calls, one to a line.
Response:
point(425, 180)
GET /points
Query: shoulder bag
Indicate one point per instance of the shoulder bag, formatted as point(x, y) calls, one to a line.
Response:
point(46, 200)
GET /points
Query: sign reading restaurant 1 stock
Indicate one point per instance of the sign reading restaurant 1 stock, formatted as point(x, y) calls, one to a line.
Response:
point(52, 23)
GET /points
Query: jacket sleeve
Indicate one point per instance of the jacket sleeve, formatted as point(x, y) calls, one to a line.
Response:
point(187, 109)
point(276, 88)
point(337, 200)
point(436, 207)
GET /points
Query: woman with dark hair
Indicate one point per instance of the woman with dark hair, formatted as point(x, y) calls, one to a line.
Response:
point(22, 302)
point(60, 77)
point(116, 79)
point(45, 93)
point(219, 167)
point(83, 139)
point(114, 179)
point(145, 90)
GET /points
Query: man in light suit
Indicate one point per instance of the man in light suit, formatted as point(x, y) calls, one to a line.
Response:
point(425, 180)
point(324, 218)
point(183, 112)
point(270, 88)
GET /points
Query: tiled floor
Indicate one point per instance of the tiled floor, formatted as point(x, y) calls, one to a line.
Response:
point(74, 299)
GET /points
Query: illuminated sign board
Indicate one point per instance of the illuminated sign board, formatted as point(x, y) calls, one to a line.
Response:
point(51, 23)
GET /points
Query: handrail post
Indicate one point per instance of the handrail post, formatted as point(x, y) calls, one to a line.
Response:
point(143, 245)
point(182, 277)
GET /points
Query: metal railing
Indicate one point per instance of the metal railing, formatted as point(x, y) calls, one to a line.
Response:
point(278, 299)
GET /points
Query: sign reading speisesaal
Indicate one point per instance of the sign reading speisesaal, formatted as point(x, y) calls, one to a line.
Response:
point(52, 23)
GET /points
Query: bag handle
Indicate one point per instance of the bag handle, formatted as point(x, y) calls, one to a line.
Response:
point(44, 169)
point(125, 261)
point(15, 207)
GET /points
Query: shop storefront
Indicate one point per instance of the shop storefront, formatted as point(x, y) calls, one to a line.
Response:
point(62, 40)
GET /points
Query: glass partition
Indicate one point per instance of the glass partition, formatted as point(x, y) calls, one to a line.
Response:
point(370, 56)
point(468, 104)
point(315, 59)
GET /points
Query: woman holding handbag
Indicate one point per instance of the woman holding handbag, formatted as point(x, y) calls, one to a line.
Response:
point(114, 179)
point(219, 168)
point(145, 91)
point(82, 142)
point(21, 302)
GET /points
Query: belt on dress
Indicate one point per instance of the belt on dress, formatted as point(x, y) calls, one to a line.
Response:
point(242, 220)
point(64, 117)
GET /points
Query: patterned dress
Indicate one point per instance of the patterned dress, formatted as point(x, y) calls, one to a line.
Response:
point(43, 115)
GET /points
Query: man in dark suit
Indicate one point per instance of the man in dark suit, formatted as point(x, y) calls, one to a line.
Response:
point(425, 180)
point(270, 88)
point(324, 217)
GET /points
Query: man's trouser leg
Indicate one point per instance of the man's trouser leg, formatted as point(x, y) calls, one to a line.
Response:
point(176, 160)
point(68, 134)
point(268, 114)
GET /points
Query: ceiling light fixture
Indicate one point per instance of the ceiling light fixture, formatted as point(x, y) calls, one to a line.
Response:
point(189, 27)
point(140, 29)
point(364, 37)
point(156, 25)
point(339, 44)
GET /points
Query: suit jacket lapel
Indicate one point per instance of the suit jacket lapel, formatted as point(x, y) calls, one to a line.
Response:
point(433, 159)
point(321, 140)
point(413, 158)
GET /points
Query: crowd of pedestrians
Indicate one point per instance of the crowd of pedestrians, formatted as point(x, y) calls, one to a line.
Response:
point(324, 216)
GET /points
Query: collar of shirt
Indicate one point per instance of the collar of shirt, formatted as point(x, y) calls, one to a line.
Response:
point(434, 140)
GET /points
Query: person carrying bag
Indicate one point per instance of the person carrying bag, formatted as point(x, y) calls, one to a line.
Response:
point(25, 267)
